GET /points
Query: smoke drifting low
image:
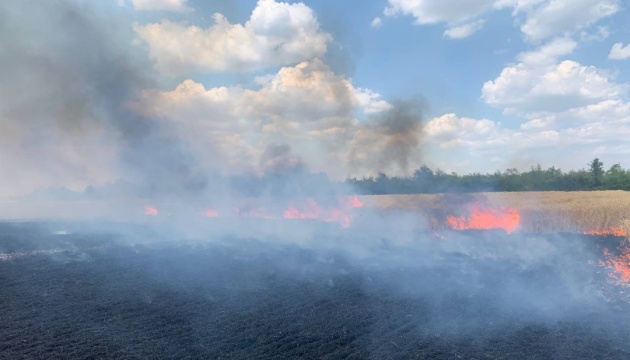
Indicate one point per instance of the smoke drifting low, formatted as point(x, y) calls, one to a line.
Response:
point(388, 290)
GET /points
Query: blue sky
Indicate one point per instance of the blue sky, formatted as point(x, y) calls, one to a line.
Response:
point(500, 83)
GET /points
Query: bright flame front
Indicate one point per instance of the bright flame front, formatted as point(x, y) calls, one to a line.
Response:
point(619, 265)
point(480, 218)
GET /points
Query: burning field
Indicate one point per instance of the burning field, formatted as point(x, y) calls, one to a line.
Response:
point(311, 280)
point(595, 212)
point(188, 189)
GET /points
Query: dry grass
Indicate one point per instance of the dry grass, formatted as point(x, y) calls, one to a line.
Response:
point(551, 211)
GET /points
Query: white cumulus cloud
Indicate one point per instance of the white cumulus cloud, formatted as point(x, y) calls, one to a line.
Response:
point(542, 19)
point(556, 17)
point(276, 34)
point(433, 12)
point(464, 30)
point(548, 53)
point(450, 129)
point(168, 5)
point(377, 22)
point(468, 144)
point(619, 52)
point(542, 82)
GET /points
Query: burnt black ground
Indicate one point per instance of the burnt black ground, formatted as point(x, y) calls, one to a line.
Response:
point(103, 298)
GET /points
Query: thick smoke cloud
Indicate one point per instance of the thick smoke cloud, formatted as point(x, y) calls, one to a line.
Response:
point(84, 101)
point(68, 76)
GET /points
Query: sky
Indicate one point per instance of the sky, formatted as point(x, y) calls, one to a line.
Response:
point(348, 88)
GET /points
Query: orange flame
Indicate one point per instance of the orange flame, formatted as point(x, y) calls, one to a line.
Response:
point(504, 218)
point(618, 265)
point(309, 209)
point(611, 231)
point(312, 210)
point(354, 202)
point(210, 213)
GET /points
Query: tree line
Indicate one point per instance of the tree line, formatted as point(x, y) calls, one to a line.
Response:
point(426, 180)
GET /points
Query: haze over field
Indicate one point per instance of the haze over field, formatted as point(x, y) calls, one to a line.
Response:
point(176, 95)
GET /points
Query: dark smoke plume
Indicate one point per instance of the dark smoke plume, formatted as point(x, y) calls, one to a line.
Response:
point(402, 128)
point(391, 139)
point(278, 159)
point(68, 70)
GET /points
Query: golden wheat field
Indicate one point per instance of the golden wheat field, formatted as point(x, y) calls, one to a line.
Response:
point(551, 211)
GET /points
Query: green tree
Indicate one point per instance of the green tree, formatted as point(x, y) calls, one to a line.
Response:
point(596, 168)
point(616, 178)
point(423, 179)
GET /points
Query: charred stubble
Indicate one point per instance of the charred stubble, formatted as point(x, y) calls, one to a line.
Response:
point(103, 298)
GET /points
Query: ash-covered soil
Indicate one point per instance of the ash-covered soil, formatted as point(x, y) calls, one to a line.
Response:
point(99, 296)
